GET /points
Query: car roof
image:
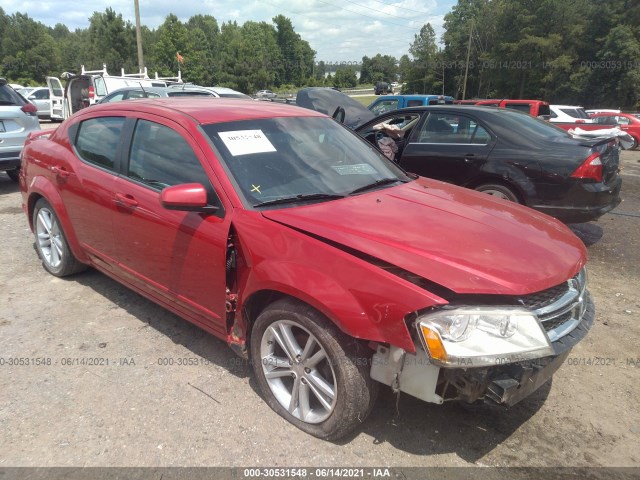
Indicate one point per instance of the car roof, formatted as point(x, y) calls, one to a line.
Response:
point(206, 110)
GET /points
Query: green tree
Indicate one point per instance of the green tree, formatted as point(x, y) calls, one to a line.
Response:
point(28, 50)
point(421, 74)
point(378, 68)
point(345, 77)
point(172, 39)
point(296, 56)
point(112, 42)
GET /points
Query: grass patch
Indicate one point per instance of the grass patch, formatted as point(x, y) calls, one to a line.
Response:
point(366, 99)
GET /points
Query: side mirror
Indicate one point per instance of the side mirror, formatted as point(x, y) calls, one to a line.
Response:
point(339, 114)
point(188, 197)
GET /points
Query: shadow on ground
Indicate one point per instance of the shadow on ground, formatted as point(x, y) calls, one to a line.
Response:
point(590, 233)
point(410, 425)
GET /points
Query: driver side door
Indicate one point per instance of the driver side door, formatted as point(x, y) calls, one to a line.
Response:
point(178, 257)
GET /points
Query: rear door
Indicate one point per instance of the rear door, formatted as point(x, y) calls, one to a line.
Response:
point(56, 93)
point(448, 146)
point(178, 257)
point(86, 185)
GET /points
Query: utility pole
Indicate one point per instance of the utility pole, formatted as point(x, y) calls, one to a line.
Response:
point(466, 70)
point(139, 36)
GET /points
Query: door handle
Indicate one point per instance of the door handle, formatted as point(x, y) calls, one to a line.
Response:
point(470, 158)
point(125, 200)
point(60, 172)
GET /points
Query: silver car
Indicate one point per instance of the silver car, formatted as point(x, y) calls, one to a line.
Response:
point(17, 119)
point(41, 98)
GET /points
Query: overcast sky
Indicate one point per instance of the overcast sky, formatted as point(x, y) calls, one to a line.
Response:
point(338, 30)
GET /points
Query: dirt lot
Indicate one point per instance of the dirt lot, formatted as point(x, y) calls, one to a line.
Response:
point(113, 379)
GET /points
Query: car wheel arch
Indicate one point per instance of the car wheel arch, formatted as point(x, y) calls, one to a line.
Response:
point(259, 300)
point(40, 189)
point(513, 187)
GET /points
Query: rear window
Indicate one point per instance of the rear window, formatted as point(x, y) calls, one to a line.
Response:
point(531, 125)
point(8, 96)
point(233, 95)
point(575, 112)
point(189, 93)
point(519, 107)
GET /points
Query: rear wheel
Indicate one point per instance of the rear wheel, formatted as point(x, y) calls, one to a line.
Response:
point(499, 191)
point(635, 144)
point(309, 372)
point(51, 242)
point(14, 174)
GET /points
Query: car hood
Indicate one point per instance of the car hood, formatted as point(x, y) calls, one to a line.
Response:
point(327, 101)
point(463, 240)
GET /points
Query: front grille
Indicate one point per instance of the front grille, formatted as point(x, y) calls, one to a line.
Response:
point(560, 308)
point(545, 297)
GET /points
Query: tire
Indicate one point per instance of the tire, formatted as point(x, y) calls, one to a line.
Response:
point(14, 174)
point(309, 372)
point(51, 242)
point(499, 191)
point(635, 144)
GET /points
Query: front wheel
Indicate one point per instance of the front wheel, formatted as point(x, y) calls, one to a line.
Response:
point(51, 242)
point(309, 372)
point(499, 191)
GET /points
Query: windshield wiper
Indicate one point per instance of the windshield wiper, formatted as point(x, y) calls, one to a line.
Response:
point(377, 183)
point(299, 198)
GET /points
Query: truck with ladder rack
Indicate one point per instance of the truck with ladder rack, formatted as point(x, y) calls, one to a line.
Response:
point(89, 86)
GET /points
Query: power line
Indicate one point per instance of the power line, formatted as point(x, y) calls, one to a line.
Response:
point(368, 16)
point(380, 11)
point(404, 8)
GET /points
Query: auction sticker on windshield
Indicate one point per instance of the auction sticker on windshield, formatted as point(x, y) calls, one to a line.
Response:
point(357, 169)
point(244, 142)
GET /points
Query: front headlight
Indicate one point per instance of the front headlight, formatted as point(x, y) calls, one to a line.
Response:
point(482, 336)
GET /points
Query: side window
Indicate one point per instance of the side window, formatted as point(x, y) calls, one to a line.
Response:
point(116, 98)
point(414, 103)
point(624, 121)
point(478, 135)
point(42, 94)
point(101, 89)
point(135, 94)
point(397, 127)
point(160, 157)
point(451, 128)
point(385, 106)
point(98, 139)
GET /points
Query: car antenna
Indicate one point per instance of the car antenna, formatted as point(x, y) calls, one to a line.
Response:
point(143, 90)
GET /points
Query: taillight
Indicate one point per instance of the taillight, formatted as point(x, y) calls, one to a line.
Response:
point(580, 121)
point(92, 93)
point(29, 109)
point(591, 168)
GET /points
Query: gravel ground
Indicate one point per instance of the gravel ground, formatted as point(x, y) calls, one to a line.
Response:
point(114, 380)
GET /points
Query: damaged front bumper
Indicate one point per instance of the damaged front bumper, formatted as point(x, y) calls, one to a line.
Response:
point(509, 379)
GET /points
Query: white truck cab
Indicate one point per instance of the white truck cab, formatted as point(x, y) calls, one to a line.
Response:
point(90, 86)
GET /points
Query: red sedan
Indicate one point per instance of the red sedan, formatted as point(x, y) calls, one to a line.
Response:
point(295, 241)
point(627, 122)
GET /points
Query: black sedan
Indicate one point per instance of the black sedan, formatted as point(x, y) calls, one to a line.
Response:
point(498, 151)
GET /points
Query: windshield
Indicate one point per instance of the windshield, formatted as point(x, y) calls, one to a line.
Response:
point(308, 158)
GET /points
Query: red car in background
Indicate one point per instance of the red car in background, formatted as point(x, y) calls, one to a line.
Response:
point(627, 122)
point(299, 244)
